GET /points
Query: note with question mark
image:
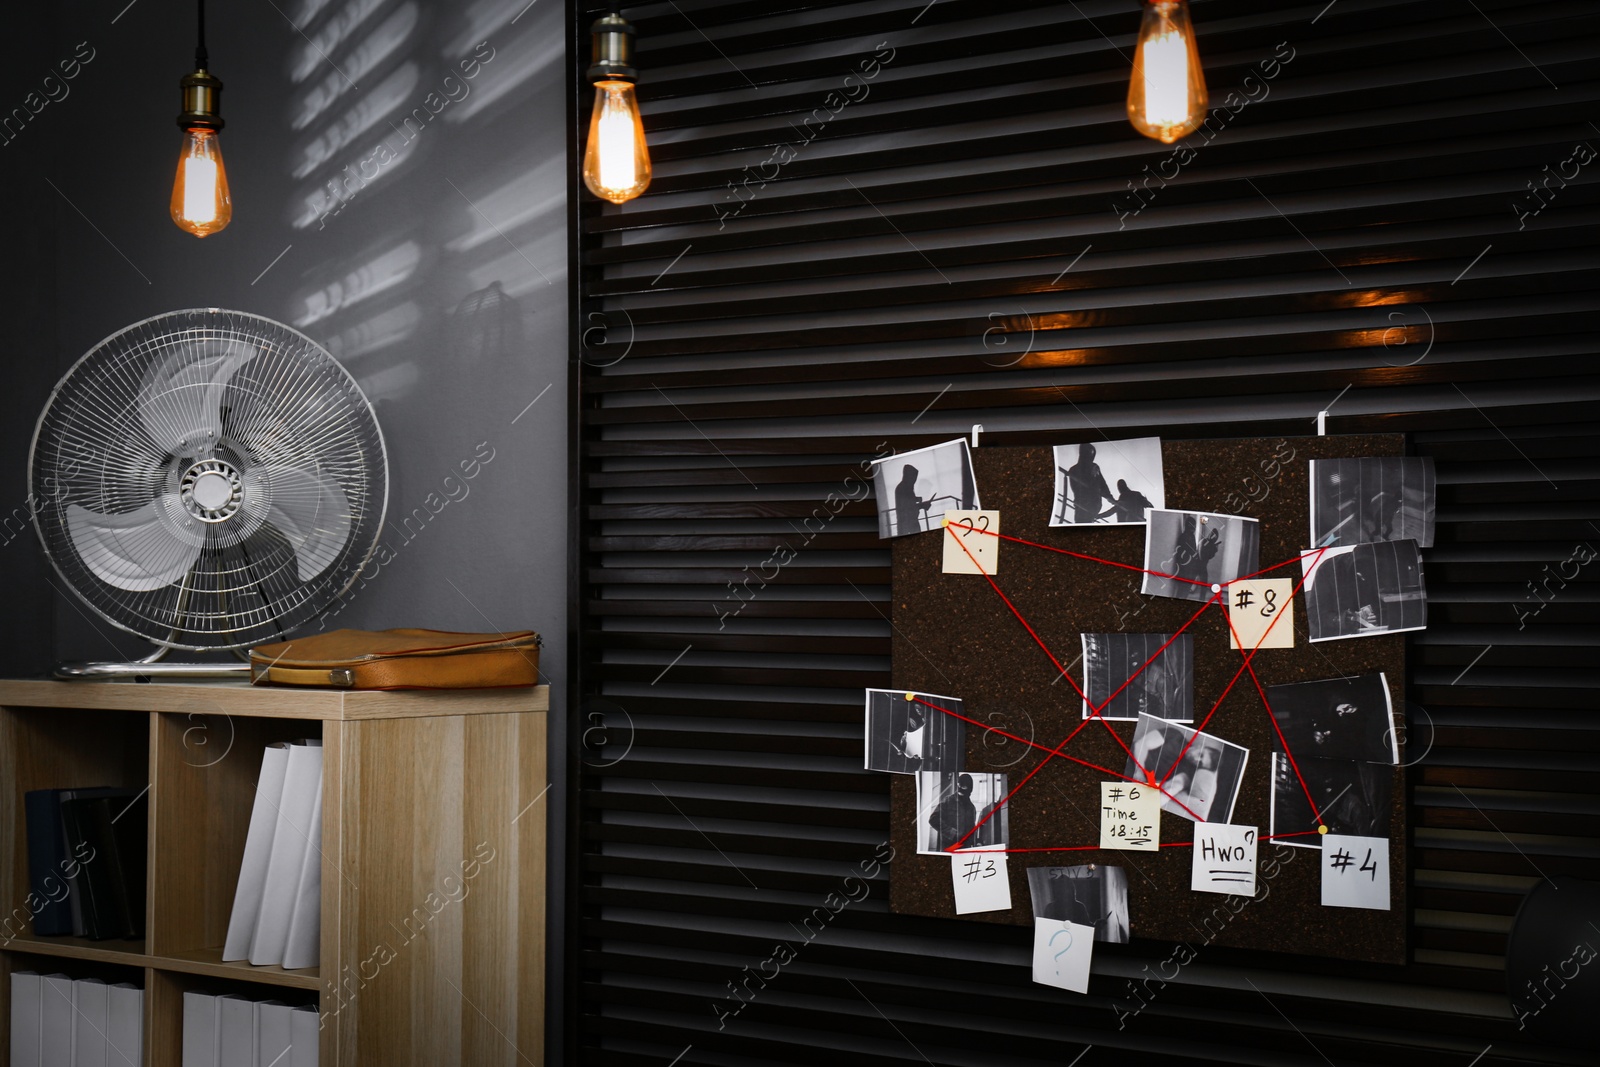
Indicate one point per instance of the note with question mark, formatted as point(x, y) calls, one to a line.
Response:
point(1061, 954)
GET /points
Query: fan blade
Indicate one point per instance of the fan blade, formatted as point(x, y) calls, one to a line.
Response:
point(311, 510)
point(136, 550)
point(181, 405)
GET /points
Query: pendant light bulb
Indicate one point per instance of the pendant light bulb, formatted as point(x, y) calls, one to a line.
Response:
point(616, 160)
point(1167, 95)
point(200, 201)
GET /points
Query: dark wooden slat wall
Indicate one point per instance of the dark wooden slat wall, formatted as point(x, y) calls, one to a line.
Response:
point(960, 244)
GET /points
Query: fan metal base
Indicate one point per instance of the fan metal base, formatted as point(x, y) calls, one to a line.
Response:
point(156, 665)
point(152, 670)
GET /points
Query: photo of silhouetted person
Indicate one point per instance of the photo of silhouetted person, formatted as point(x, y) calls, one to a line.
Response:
point(965, 809)
point(1126, 675)
point(1131, 503)
point(1352, 796)
point(915, 489)
point(1084, 476)
point(1357, 590)
point(1088, 486)
point(1383, 498)
point(1187, 552)
point(905, 736)
point(1336, 718)
point(1091, 895)
point(908, 506)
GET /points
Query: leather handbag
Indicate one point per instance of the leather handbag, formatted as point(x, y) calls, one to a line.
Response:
point(400, 659)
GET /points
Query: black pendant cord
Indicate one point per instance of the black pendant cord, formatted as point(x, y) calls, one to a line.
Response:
point(200, 57)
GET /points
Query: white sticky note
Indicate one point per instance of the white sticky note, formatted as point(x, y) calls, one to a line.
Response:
point(1061, 954)
point(1224, 859)
point(979, 540)
point(1130, 817)
point(1355, 872)
point(1261, 612)
point(981, 882)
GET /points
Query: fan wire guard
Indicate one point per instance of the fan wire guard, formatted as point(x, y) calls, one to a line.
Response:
point(208, 479)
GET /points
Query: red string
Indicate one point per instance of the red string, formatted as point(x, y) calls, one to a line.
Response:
point(1095, 710)
point(1076, 555)
point(1047, 652)
point(1293, 593)
point(1049, 752)
point(1274, 720)
point(1096, 848)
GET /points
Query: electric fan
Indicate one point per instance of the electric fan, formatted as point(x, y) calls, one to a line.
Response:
point(208, 480)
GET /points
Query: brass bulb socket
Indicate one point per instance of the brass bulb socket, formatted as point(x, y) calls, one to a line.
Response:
point(612, 50)
point(202, 101)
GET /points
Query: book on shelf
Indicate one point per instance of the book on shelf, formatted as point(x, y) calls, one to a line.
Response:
point(87, 861)
point(49, 864)
point(292, 848)
point(257, 849)
point(59, 1022)
point(201, 1030)
point(124, 1025)
point(55, 1022)
point(27, 1008)
point(275, 1030)
point(91, 1014)
point(301, 948)
point(236, 1031)
point(232, 1031)
point(304, 1025)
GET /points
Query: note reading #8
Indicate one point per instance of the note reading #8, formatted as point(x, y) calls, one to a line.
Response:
point(1261, 613)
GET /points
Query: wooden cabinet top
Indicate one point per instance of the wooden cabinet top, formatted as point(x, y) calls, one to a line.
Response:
point(274, 702)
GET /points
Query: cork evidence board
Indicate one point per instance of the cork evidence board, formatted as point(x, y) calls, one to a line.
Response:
point(955, 635)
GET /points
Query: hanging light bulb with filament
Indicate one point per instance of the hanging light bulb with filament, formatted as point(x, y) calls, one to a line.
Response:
point(616, 160)
point(201, 204)
point(1167, 95)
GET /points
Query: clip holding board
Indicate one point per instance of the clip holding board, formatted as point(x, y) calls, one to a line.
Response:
point(954, 635)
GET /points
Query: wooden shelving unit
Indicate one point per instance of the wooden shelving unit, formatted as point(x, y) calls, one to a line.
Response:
point(433, 840)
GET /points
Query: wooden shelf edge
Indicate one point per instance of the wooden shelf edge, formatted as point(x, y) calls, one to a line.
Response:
point(208, 963)
point(243, 699)
point(132, 954)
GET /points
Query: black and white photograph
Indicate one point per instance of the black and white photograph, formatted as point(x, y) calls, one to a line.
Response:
point(1205, 785)
point(1091, 895)
point(1360, 590)
point(1337, 718)
point(906, 736)
point(1108, 483)
point(1198, 549)
point(1151, 674)
point(915, 489)
point(1353, 797)
point(951, 804)
point(1359, 501)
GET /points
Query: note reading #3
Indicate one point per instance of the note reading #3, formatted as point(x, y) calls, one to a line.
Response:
point(981, 882)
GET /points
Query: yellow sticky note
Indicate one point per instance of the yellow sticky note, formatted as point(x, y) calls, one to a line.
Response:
point(1130, 816)
point(975, 533)
point(1261, 606)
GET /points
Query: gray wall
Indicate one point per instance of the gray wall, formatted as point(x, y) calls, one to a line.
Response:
point(439, 283)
